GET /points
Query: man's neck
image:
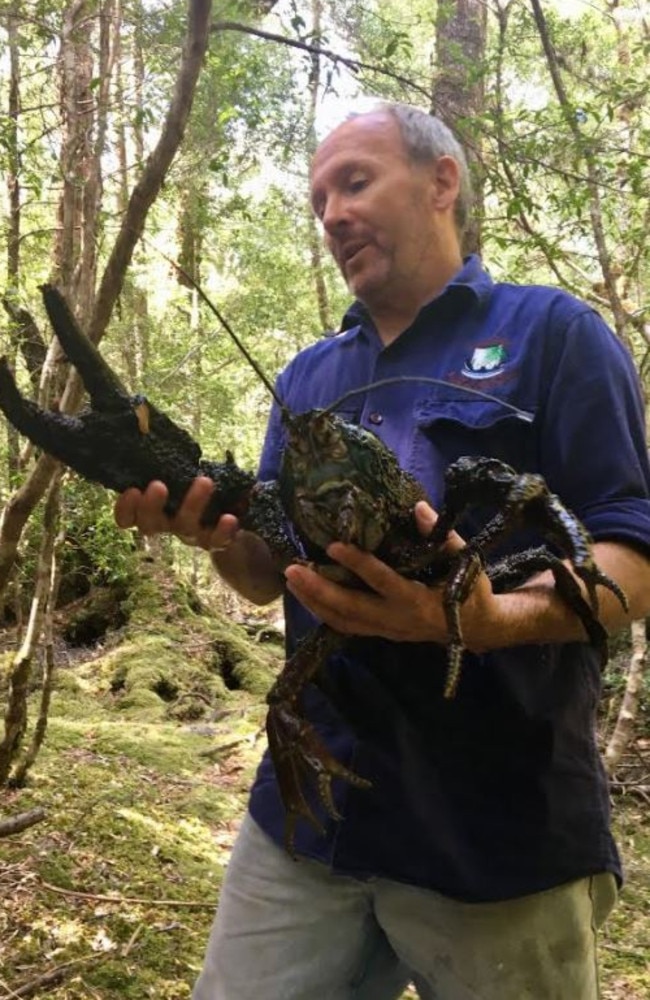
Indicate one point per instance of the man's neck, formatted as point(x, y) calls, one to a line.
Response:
point(393, 317)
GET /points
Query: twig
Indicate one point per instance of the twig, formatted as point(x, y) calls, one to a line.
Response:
point(624, 950)
point(50, 978)
point(222, 748)
point(622, 788)
point(125, 899)
point(134, 937)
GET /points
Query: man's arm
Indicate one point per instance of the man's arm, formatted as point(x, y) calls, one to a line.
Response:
point(404, 611)
point(240, 557)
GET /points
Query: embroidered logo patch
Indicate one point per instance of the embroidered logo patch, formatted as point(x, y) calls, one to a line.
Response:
point(485, 362)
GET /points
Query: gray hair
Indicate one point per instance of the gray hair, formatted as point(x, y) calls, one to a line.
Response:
point(426, 138)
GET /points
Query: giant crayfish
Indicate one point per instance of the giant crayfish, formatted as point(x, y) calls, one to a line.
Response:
point(337, 481)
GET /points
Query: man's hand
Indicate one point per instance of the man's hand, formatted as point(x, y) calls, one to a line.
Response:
point(242, 559)
point(396, 609)
point(145, 510)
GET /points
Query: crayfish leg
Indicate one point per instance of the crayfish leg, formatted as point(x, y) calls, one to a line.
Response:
point(301, 761)
point(515, 569)
point(468, 565)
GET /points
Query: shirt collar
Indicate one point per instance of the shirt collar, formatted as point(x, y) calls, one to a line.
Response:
point(470, 285)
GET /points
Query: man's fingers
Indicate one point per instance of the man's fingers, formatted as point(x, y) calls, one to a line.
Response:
point(125, 509)
point(187, 520)
point(150, 515)
point(379, 577)
point(425, 518)
point(142, 509)
point(145, 510)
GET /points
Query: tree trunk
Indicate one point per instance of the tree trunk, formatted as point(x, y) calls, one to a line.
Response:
point(459, 90)
point(21, 668)
point(142, 197)
point(314, 236)
point(12, 175)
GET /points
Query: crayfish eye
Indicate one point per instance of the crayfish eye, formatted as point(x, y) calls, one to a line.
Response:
point(300, 445)
point(328, 439)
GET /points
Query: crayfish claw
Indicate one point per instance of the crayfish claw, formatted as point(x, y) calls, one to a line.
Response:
point(592, 576)
point(469, 564)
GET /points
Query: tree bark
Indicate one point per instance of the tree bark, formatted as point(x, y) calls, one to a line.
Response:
point(459, 90)
point(314, 237)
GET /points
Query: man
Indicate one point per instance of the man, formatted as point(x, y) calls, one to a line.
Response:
point(480, 863)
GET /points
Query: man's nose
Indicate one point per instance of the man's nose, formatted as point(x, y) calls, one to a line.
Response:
point(335, 213)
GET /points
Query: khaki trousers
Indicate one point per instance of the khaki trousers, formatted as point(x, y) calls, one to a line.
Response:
point(288, 930)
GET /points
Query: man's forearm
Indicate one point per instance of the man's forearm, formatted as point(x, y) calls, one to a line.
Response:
point(535, 612)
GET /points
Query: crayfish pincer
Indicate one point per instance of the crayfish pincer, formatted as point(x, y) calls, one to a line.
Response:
point(337, 481)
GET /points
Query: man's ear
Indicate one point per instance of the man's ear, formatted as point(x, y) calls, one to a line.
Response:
point(447, 182)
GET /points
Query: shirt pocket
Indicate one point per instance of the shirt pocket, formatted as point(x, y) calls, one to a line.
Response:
point(447, 430)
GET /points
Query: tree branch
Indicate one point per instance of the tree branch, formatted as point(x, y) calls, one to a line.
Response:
point(595, 211)
point(148, 187)
point(352, 64)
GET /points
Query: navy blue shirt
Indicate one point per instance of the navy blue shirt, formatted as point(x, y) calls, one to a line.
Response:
point(500, 791)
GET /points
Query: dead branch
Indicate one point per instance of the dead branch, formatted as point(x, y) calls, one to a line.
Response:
point(16, 824)
point(181, 903)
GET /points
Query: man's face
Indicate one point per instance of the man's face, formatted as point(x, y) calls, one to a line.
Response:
point(377, 209)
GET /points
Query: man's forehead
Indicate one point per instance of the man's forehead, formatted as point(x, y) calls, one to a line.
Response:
point(363, 134)
point(364, 121)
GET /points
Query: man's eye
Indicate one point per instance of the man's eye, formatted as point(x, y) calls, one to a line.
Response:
point(358, 184)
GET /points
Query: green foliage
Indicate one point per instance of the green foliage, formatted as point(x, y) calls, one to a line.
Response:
point(94, 546)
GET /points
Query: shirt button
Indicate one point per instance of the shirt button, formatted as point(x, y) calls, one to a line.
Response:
point(376, 418)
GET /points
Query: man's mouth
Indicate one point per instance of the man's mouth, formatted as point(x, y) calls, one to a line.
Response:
point(350, 251)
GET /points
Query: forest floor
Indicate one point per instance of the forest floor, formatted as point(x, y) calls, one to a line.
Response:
point(112, 895)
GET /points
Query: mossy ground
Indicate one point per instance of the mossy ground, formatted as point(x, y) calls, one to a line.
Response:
point(114, 892)
point(135, 813)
